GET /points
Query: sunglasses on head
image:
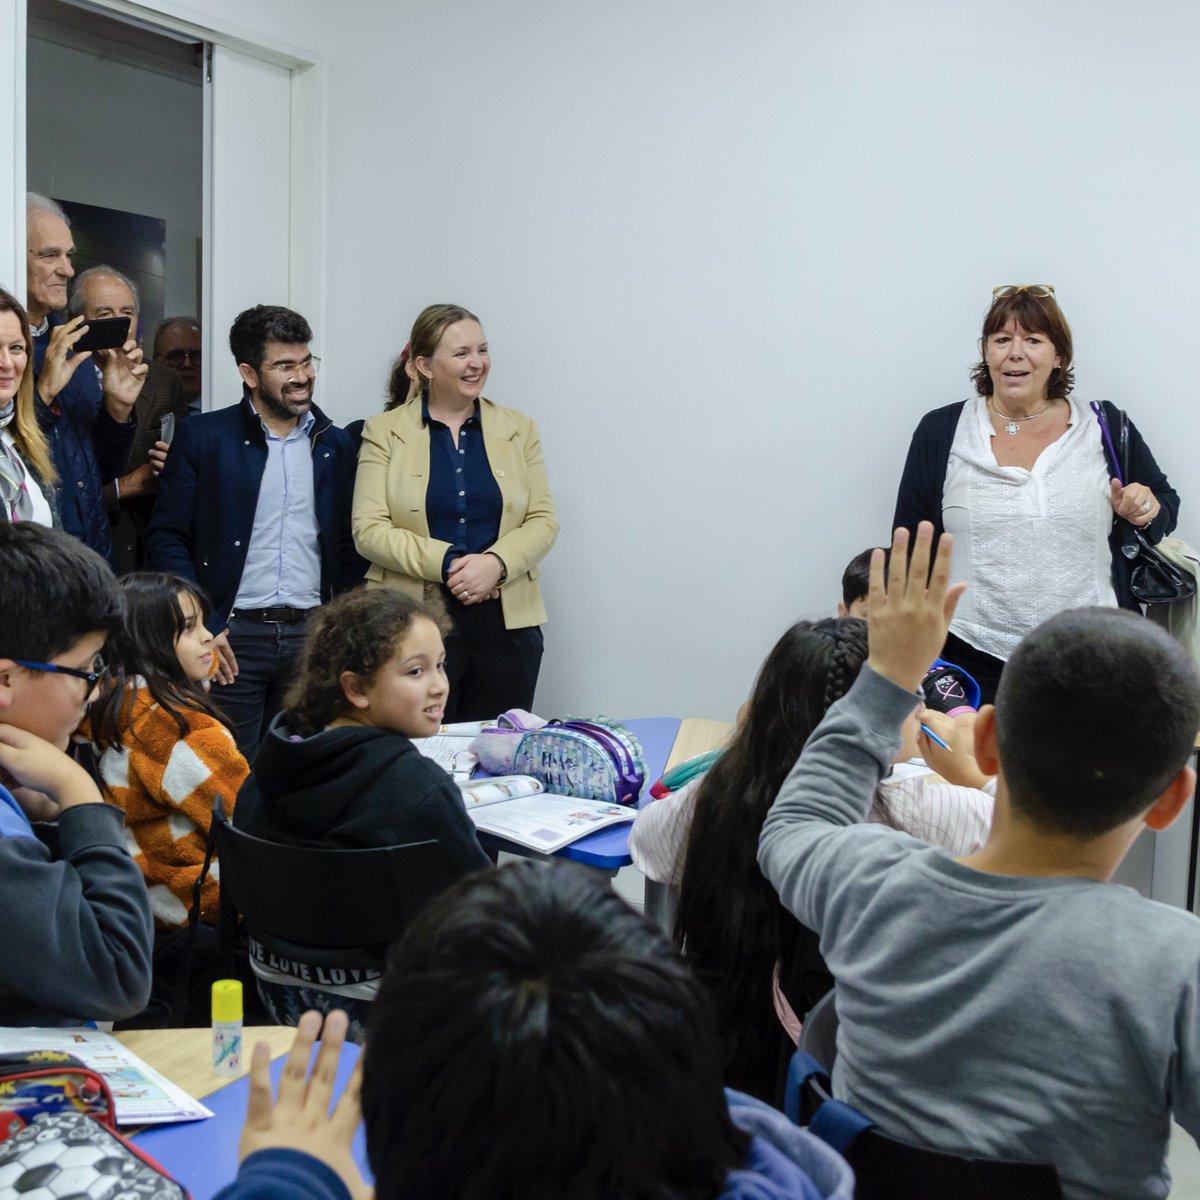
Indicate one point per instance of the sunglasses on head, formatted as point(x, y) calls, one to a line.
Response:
point(1041, 290)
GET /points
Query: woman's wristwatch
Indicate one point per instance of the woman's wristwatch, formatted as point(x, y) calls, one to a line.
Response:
point(503, 568)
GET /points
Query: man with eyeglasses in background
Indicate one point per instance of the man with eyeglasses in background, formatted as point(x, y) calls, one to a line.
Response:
point(103, 292)
point(254, 505)
point(177, 345)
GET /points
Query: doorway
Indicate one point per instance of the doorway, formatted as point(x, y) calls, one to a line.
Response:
point(258, 182)
point(115, 133)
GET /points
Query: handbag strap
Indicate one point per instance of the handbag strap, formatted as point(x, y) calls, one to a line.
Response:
point(1115, 461)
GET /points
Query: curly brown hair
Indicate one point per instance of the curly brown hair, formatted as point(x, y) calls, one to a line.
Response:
point(356, 632)
point(1037, 314)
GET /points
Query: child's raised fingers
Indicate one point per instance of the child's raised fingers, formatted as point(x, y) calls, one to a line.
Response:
point(875, 585)
point(348, 1112)
point(897, 571)
point(294, 1080)
point(918, 565)
point(939, 577)
point(261, 1102)
point(324, 1070)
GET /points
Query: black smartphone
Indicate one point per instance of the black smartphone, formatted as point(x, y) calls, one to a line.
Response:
point(107, 333)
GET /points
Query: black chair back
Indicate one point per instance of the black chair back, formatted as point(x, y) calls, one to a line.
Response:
point(323, 899)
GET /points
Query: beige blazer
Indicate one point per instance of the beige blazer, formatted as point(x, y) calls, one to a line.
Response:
point(390, 527)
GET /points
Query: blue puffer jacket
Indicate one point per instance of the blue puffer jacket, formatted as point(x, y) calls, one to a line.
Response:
point(784, 1163)
point(88, 448)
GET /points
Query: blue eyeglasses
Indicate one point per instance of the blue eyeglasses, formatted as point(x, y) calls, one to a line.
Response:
point(92, 677)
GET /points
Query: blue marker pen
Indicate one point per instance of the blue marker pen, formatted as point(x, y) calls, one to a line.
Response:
point(933, 737)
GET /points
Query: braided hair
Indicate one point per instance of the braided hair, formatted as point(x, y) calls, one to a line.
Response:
point(729, 923)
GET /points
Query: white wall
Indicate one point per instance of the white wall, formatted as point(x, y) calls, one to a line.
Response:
point(727, 255)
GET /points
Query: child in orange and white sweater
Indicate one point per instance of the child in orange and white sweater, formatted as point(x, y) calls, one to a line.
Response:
point(165, 750)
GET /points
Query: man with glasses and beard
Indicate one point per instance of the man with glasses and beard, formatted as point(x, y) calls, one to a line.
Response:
point(254, 505)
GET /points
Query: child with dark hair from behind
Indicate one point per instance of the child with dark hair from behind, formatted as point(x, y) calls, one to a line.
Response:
point(165, 750)
point(764, 968)
point(77, 929)
point(1010, 1003)
point(534, 1039)
point(337, 770)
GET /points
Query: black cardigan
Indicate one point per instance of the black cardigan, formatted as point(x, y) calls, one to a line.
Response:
point(919, 497)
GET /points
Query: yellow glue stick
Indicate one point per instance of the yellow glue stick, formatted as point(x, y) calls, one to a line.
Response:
point(227, 1027)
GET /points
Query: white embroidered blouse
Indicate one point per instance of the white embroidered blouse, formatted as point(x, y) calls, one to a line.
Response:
point(1029, 543)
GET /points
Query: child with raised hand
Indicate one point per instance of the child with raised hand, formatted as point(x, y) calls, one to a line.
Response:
point(165, 750)
point(77, 929)
point(705, 837)
point(337, 770)
point(1010, 1003)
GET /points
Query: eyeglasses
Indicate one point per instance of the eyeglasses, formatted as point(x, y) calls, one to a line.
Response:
point(1041, 290)
point(176, 358)
point(92, 677)
point(309, 365)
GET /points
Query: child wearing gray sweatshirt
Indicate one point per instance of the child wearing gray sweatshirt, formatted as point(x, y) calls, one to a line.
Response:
point(1011, 1003)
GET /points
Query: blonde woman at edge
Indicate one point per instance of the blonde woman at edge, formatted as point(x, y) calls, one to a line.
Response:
point(452, 498)
point(26, 470)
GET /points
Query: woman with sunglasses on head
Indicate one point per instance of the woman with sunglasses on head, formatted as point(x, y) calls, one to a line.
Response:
point(1020, 476)
point(27, 472)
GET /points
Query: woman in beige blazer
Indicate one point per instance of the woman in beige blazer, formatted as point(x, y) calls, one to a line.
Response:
point(452, 497)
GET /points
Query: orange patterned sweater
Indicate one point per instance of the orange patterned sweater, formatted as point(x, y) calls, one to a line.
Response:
point(165, 784)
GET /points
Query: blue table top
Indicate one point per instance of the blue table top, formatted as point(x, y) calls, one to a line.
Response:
point(609, 848)
point(202, 1155)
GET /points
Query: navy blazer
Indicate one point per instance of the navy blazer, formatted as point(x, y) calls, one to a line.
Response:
point(207, 496)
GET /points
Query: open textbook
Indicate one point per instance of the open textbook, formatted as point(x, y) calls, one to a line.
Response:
point(140, 1094)
point(519, 808)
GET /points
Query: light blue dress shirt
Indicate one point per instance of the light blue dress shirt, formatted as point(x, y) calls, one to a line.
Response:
point(283, 562)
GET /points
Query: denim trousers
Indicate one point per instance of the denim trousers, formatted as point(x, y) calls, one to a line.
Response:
point(266, 655)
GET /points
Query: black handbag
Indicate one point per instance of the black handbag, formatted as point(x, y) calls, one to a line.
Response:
point(1153, 579)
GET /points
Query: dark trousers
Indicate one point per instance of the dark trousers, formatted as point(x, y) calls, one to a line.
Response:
point(489, 668)
point(985, 669)
point(266, 655)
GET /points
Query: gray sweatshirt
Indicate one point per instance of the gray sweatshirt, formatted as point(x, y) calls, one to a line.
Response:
point(77, 933)
point(1051, 1019)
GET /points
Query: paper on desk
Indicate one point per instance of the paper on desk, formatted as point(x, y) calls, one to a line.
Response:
point(142, 1095)
point(914, 768)
point(451, 752)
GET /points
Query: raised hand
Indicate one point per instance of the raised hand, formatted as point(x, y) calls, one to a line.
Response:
point(299, 1117)
point(908, 618)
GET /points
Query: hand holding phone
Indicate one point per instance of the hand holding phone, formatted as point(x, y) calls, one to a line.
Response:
point(106, 333)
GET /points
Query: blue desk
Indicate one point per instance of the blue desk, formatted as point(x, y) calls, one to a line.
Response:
point(609, 848)
point(202, 1155)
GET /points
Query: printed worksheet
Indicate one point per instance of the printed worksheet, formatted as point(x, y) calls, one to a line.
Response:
point(142, 1096)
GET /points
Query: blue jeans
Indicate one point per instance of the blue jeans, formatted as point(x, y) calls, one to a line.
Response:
point(266, 655)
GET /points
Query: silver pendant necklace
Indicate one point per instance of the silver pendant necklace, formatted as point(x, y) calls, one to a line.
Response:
point(1013, 426)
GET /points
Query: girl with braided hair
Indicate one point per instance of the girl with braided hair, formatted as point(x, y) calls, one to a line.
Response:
point(760, 964)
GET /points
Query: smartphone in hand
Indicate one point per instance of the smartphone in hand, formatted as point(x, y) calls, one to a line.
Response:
point(166, 428)
point(107, 333)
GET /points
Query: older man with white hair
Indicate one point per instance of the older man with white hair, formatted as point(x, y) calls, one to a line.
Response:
point(86, 406)
point(99, 293)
